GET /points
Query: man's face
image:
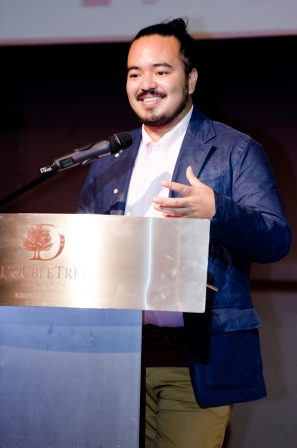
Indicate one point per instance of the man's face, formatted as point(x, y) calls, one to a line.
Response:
point(157, 86)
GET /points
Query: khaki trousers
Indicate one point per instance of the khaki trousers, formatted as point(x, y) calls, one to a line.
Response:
point(173, 419)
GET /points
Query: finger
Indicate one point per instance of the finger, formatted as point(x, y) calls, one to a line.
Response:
point(184, 190)
point(170, 213)
point(194, 181)
point(169, 202)
point(178, 210)
point(173, 210)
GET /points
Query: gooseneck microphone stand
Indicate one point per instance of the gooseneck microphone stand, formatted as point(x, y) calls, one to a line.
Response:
point(79, 157)
point(28, 187)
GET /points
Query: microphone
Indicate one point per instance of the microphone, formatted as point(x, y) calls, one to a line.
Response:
point(90, 153)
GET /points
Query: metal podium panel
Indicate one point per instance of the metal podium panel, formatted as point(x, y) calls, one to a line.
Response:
point(69, 378)
point(102, 261)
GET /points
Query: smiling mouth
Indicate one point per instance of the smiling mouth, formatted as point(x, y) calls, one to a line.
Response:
point(150, 99)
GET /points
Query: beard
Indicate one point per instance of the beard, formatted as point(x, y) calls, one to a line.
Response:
point(154, 119)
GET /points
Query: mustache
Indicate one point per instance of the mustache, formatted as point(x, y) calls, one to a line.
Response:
point(150, 93)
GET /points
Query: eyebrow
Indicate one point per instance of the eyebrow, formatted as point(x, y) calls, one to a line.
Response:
point(159, 64)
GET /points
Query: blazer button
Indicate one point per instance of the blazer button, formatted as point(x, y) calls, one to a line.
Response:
point(117, 154)
point(115, 191)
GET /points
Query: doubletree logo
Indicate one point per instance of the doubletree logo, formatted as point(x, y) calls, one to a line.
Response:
point(39, 239)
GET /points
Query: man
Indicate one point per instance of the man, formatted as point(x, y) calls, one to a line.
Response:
point(182, 164)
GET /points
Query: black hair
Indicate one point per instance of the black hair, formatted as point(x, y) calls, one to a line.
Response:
point(178, 29)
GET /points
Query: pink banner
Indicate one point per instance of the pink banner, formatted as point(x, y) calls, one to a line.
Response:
point(96, 2)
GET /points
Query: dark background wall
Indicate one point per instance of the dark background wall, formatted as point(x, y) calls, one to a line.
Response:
point(54, 98)
point(57, 98)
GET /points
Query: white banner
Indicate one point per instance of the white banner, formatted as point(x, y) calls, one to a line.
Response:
point(63, 21)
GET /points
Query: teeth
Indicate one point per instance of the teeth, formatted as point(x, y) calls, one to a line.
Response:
point(151, 99)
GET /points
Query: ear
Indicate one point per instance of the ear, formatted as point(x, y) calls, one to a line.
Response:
point(192, 80)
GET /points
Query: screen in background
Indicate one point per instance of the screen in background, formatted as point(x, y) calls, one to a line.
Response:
point(74, 21)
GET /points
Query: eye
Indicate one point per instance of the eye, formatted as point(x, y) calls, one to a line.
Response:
point(133, 75)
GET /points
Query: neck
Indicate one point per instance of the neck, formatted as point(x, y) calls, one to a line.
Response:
point(157, 132)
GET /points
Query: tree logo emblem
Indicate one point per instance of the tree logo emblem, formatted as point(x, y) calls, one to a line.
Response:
point(43, 238)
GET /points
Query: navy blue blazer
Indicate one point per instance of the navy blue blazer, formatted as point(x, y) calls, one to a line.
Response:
point(249, 225)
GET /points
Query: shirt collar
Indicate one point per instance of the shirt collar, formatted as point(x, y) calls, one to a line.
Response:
point(170, 137)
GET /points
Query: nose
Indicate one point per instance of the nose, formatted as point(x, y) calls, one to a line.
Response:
point(148, 82)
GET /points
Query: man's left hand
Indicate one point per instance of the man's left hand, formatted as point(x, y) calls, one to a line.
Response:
point(197, 201)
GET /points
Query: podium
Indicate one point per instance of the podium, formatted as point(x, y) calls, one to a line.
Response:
point(72, 291)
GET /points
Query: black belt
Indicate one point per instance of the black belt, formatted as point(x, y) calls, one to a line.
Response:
point(154, 337)
point(164, 346)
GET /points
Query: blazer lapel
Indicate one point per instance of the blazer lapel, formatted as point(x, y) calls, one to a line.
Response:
point(124, 165)
point(195, 148)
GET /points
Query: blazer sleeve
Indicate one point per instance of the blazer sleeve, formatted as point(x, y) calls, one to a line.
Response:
point(249, 211)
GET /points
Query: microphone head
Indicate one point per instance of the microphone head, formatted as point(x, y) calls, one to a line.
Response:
point(119, 141)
